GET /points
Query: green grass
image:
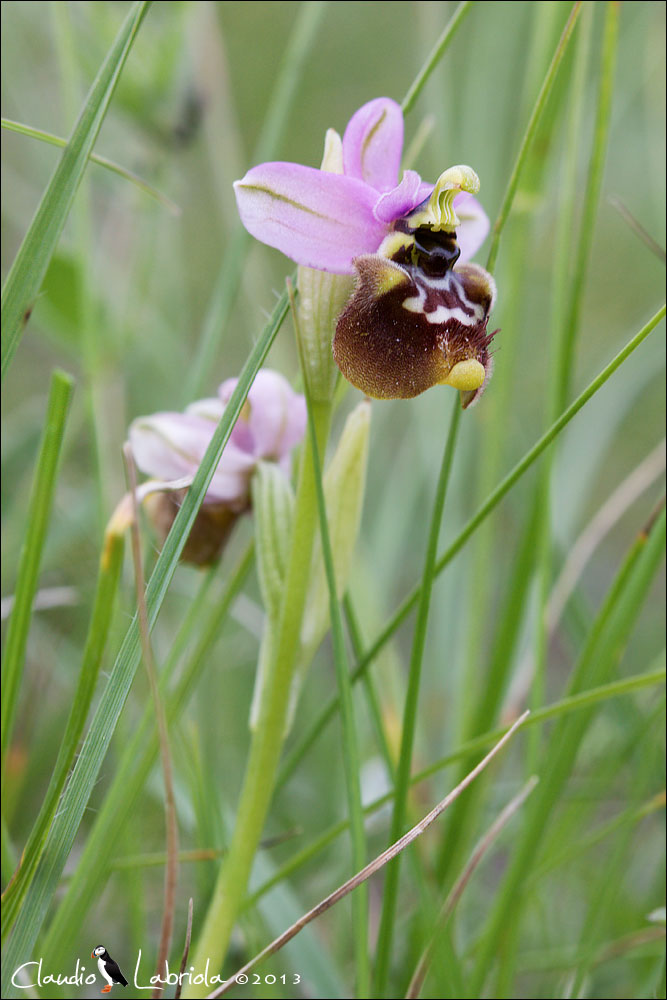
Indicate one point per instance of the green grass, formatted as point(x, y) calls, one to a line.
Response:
point(559, 107)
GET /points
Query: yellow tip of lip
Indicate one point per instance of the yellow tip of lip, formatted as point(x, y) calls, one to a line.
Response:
point(466, 375)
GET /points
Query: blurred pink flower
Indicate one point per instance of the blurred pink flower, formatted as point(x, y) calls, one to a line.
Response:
point(169, 446)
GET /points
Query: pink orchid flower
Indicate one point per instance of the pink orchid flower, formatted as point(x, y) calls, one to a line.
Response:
point(419, 313)
point(324, 220)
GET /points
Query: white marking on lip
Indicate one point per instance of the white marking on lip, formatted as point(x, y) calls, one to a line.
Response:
point(443, 313)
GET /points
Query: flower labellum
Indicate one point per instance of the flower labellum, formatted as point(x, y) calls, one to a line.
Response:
point(418, 316)
point(170, 446)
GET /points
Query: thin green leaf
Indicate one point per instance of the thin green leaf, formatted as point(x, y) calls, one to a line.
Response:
point(529, 135)
point(435, 56)
point(102, 161)
point(32, 260)
point(107, 584)
point(39, 510)
point(403, 772)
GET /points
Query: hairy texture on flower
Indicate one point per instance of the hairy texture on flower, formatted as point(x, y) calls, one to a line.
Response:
point(169, 447)
point(415, 321)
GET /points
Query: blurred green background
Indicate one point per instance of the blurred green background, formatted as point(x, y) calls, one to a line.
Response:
point(122, 309)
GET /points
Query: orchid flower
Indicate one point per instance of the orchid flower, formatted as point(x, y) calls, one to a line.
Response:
point(169, 447)
point(414, 317)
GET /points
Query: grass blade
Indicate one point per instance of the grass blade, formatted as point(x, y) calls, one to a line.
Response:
point(402, 785)
point(529, 134)
point(101, 161)
point(39, 510)
point(435, 56)
point(32, 260)
point(107, 584)
point(62, 833)
point(599, 656)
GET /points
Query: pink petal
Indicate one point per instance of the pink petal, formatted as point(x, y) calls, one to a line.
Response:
point(401, 201)
point(276, 418)
point(474, 225)
point(210, 409)
point(169, 446)
point(318, 219)
point(373, 143)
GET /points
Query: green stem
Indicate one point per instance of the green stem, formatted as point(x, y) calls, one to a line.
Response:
point(350, 744)
point(566, 322)
point(373, 703)
point(269, 733)
point(593, 188)
point(349, 734)
point(384, 947)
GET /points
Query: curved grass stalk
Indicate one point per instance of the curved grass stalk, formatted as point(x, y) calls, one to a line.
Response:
point(101, 161)
point(170, 813)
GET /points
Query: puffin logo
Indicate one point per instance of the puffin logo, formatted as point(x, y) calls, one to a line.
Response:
point(109, 969)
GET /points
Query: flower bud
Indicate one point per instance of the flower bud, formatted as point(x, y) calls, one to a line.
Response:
point(344, 488)
point(273, 508)
point(322, 297)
